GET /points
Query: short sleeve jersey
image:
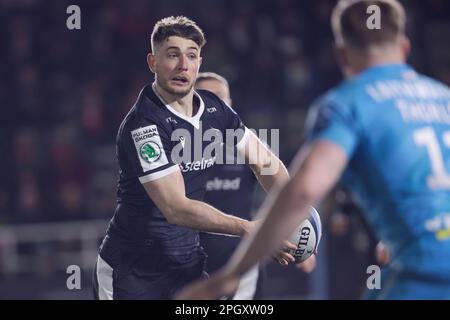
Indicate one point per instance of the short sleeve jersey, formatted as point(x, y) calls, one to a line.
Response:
point(153, 141)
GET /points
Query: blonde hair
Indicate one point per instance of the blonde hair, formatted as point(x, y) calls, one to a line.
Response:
point(349, 23)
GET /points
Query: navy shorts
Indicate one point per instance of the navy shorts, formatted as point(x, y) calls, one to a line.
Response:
point(138, 273)
point(219, 250)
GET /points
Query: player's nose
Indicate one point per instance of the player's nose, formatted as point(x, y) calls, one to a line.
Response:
point(183, 65)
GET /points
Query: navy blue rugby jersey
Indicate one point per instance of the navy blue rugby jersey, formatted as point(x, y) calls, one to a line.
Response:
point(152, 142)
point(231, 188)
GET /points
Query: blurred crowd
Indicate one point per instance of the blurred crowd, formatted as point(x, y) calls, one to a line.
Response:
point(63, 93)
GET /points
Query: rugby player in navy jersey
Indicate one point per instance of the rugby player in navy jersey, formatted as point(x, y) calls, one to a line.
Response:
point(152, 247)
point(385, 133)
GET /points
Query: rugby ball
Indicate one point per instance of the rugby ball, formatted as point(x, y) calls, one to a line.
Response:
point(306, 237)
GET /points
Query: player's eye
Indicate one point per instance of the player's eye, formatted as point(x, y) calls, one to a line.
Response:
point(192, 56)
point(172, 55)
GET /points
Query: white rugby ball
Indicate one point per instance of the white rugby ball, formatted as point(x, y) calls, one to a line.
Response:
point(306, 237)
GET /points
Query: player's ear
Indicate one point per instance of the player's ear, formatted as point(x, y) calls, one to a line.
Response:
point(406, 46)
point(151, 61)
point(341, 55)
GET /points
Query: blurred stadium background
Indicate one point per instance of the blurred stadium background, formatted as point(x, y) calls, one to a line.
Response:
point(63, 94)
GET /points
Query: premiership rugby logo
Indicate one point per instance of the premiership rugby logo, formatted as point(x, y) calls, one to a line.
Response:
point(150, 152)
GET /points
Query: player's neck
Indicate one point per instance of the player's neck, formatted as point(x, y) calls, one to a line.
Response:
point(372, 59)
point(185, 104)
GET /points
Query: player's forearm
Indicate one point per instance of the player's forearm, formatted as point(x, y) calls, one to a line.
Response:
point(267, 167)
point(201, 216)
point(277, 175)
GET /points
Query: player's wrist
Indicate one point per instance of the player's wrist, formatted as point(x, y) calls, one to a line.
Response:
point(247, 227)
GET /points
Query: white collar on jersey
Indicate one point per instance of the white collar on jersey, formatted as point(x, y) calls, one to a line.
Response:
point(195, 120)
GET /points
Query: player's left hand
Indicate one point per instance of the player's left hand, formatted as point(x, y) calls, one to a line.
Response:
point(308, 265)
point(283, 257)
point(217, 286)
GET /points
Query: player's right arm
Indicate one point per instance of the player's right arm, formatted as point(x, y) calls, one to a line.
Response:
point(168, 193)
point(144, 150)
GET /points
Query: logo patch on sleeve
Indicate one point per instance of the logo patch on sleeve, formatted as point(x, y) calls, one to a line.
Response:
point(150, 152)
point(149, 147)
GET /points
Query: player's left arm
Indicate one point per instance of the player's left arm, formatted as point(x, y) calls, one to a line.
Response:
point(267, 167)
point(270, 171)
point(316, 169)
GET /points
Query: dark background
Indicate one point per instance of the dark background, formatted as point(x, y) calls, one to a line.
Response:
point(63, 94)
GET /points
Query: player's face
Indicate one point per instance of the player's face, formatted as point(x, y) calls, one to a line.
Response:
point(176, 64)
point(217, 87)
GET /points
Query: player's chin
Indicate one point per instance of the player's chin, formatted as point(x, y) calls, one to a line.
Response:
point(181, 89)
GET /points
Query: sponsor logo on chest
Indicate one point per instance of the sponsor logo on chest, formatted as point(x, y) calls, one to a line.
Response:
point(217, 184)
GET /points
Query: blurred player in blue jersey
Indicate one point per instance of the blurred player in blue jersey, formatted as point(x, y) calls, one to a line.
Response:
point(386, 132)
point(152, 247)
